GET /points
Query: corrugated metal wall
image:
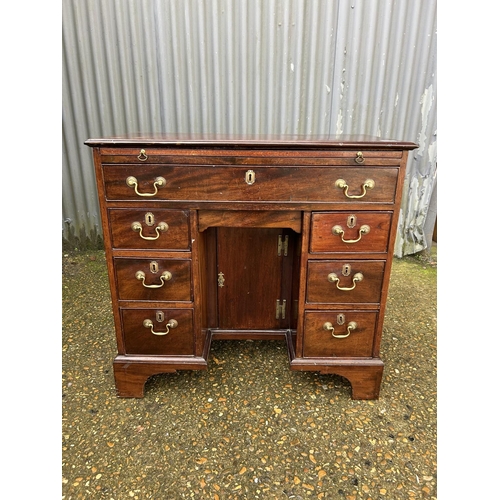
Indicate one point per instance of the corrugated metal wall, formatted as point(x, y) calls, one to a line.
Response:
point(252, 66)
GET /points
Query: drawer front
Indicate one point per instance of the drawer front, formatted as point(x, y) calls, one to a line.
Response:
point(250, 183)
point(346, 232)
point(153, 279)
point(288, 156)
point(340, 282)
point(140, 339)
point(156, 229)
point(320, 342)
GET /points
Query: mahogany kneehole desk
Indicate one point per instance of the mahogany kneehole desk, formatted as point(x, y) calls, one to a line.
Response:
point(247, 238)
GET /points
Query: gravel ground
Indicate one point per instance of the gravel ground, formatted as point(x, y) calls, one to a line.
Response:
point(248, 427)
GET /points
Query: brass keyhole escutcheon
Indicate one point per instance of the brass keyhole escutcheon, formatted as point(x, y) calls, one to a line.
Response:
point(250, 177)
point(150, 219)
point(346, 269)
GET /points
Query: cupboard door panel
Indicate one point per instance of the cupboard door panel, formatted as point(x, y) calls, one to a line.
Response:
point(252, 278)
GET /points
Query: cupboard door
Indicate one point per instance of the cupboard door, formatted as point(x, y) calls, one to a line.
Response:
point(250, 272)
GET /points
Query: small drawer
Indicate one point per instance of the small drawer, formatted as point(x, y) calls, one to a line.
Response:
point(158, 331)
point(341, 282)
point(153, 279)
point(155, 229)
point(307, 183)
point(339, 333)
point(345, 232)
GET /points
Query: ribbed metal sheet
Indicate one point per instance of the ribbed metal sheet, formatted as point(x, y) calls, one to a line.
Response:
point(262, 66)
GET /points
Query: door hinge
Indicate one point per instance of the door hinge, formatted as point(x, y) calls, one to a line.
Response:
point(280, 309)
point(282, 246)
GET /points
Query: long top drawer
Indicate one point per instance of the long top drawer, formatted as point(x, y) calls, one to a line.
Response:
point(341, 184)
point(251, 169)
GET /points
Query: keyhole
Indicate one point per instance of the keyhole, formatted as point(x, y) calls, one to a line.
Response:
point(346, 269)
point(153, 266)
point(160, 316)
point(250, 177)
point(351, 221)
point(150, 219)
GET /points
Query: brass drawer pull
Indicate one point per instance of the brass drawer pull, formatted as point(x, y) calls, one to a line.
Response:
point(147, 323)
point(350, 327)
point(141, 276)
point(359, 157)
point(364, 229)
point(142, 155)
point(162, 226)
point(132, 182)
point(333, 278)
point(342, 184)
